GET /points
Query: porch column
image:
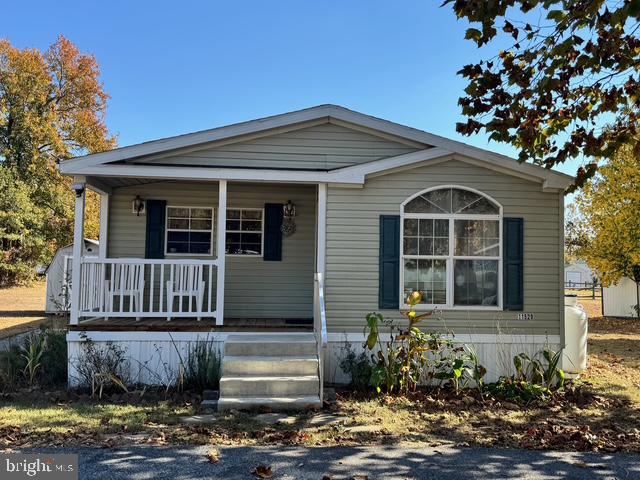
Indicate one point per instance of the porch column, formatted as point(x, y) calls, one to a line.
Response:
point(79, 187)
point(321, 254)
point(104, 225)
point(221, 245)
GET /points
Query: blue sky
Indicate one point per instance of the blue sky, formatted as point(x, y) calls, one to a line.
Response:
point(177, 67)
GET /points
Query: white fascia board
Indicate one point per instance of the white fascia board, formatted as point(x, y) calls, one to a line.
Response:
point(206, 173)
point(404, 160)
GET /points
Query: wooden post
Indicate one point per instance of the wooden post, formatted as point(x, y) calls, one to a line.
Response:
point(321, 255)
point(104, 225)
point(78, 244)
point(221, 247)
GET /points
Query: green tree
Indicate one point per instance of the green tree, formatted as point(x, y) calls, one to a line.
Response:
point(570, 68)
point(606, 230)
point(52, 107)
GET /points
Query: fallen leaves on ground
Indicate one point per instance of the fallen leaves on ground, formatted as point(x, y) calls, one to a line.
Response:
point(262, 471)
point(213, 455)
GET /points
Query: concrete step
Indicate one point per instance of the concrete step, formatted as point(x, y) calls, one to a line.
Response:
point(269, 365)
point(271, 403)
point(269, 386)
point(284, 344)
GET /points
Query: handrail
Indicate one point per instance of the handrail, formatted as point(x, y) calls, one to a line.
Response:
point(150, 261)
point(322, 312)
point(320, 327)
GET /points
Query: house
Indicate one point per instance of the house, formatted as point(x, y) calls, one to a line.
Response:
point(578, 273)
point(58, 296)
point(273, 238)
point(620, 299)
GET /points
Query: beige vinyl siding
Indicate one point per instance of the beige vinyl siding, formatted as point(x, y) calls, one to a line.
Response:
point(353, 247)
point(320, 147)
point(254, 288)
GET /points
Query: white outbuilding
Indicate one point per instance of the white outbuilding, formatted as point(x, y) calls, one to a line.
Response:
point(620, 300)
point(59, 276)
point(578, 274)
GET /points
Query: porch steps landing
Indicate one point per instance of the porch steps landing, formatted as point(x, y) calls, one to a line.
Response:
point(274, 371)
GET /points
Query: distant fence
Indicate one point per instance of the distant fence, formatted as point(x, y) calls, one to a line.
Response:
point(584, 290)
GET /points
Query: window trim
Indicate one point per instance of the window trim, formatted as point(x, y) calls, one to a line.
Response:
point(451, 258)
point(166, 231)
point(245, 255)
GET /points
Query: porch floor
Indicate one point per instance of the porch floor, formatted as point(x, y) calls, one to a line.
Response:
point(193, 325)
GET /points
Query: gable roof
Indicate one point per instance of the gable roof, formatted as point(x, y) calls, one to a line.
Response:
point(434, 147)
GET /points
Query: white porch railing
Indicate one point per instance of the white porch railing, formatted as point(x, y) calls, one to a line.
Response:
point(320, 326)
point(132, 287)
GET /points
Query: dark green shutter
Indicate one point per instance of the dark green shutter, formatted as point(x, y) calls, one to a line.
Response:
point(513, 260)
point(156, 211)
point(389, 274)
point(272, 231)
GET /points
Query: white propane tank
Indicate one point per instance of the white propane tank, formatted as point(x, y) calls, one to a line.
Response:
point(574, 359)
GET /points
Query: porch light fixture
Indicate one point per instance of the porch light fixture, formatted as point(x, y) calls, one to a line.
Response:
point(289, 219)
point(139, 206)
point(78, 188)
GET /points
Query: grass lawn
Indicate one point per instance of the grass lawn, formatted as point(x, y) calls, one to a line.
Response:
point(22, 308)
point(601, 412)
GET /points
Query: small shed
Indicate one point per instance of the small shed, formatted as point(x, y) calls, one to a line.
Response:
point(620, 300)
point(578, 274)
point(59, 276)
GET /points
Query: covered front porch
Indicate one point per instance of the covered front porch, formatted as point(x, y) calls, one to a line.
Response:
point(181, 255)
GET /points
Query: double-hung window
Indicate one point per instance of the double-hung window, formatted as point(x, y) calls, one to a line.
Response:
point(189, 230)
point(244, 231)
point(451, 248)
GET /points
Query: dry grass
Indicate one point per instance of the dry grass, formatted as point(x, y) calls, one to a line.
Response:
point(21, 308)
point(614, 357)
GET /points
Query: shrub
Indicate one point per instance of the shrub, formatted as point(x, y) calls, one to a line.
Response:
point(458, 366)
point(357, 366)
point(11, 368)
point(541, 369)
point(100, 366)
point(202, 368)
point(41, 359)
point(536, 377)
point(412, 355)
point(54, 359)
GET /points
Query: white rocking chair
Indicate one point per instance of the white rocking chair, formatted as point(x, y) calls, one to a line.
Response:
point(128, 282)
point(187, 282)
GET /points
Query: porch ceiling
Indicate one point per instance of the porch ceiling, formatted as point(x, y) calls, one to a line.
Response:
point(115, 182)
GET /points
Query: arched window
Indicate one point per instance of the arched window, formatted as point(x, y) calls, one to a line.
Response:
point(451, 248)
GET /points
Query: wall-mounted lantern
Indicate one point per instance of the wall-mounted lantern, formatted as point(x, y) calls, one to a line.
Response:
point(288, 219)
point(139, 206)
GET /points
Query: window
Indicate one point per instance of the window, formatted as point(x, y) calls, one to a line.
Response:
point(189, 230)
point(451, 248)
point(244, 231)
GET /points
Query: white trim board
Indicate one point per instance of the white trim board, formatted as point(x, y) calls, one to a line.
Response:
point(334, 337)
point(468, 338)
point(139, 336)
point(319, 114)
